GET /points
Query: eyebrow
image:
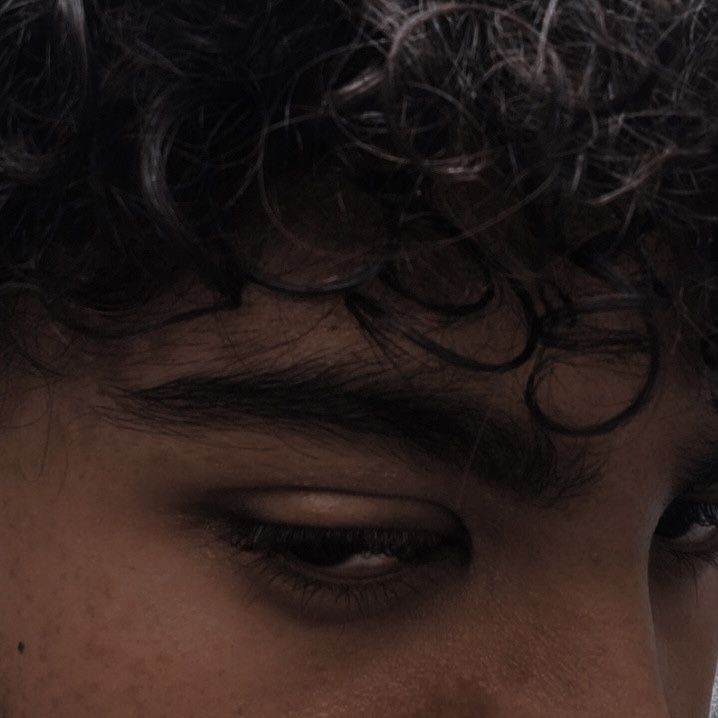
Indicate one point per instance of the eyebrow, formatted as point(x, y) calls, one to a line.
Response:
point(698, 465)
point(466, 433)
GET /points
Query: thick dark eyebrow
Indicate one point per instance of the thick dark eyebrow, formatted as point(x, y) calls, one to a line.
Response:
point(464, 432)
point(698, 466)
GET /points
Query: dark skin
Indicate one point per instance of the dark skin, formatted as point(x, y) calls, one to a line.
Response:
point(131, 596)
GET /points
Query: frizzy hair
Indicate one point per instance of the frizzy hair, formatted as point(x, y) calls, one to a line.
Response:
point(132, 131)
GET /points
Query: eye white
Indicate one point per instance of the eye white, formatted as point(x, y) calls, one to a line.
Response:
point(697, 534)
point(357, 566)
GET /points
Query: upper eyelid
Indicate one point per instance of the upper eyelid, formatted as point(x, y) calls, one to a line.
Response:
point(321, 507)
point(693, 494)
point(697, 469)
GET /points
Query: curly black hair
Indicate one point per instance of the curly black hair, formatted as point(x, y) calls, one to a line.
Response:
point(133, 133)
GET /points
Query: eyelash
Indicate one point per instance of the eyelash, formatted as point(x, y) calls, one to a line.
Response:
point(274, 548)
point(420, 553)
point(690, 513)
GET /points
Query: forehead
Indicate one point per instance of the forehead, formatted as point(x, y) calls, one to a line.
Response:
point(322, 231)
point(271, 337)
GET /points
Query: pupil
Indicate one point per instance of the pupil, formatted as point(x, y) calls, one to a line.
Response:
point(324, 554)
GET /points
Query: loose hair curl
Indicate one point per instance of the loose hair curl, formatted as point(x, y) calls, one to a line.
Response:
point(132, 131)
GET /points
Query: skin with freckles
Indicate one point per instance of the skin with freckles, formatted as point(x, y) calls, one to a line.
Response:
point(132, 596)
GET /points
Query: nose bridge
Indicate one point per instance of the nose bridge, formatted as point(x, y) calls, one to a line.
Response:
point(575, 654)
point(598, 654)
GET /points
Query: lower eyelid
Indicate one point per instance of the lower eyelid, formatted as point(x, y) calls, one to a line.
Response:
point(305, 596)
point(304, 590)
point(671, 565)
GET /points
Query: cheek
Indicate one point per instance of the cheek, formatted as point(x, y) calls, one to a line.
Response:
point(115, 622)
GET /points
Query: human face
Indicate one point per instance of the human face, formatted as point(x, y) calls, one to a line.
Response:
point(443, 558)
point(125, 596)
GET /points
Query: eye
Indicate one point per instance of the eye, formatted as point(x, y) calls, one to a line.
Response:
point(337, 554)
point(341, 553)
point(352, 568)
point(689, 529)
